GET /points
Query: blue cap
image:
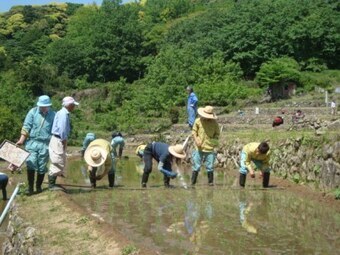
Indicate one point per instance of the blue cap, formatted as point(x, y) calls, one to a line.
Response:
point(44, 101)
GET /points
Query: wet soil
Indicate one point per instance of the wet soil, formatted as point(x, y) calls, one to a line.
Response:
point(64, 227)
point(301, 190)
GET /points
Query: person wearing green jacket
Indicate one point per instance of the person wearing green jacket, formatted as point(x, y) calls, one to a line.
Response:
point(98, 157)
point(36, 135)
point(206, 133)
point(259, 155)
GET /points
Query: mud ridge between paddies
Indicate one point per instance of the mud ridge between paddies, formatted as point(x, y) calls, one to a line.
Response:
point(66, 228)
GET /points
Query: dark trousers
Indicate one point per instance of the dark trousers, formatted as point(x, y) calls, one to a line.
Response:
point(147, 157)
point(3, 185)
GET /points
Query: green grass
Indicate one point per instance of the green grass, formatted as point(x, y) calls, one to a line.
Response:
point(130, 250)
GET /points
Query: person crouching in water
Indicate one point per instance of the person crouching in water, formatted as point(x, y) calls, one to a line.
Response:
point(259, 154)
point(99, 160)
point(87, 140)
point(164, 155)
point(277, 121)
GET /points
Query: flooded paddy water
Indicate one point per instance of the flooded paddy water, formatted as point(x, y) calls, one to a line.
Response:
point(206, 220)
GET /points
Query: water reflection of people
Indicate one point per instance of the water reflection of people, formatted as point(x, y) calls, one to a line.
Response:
point(196, 220)
point(245, 209)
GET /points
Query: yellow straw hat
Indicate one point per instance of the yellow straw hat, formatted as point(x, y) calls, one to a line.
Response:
point(207, 112)
point(95, 155)
point(140, 148)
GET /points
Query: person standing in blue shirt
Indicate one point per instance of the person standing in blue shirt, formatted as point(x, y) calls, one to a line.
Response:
point(60, 133)
point(36, 135)
point(191, 106)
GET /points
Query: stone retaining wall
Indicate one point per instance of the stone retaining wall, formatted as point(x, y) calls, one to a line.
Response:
point(22, 237)
point(302, 160)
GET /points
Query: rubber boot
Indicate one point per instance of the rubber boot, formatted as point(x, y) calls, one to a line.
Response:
point(243, 180)
point(93, 178)
point(166, 181)
point(194, 177)
point(4, 193)
point(265, 181)
point(51, 182)
point(30, 179)
point(145, 178)
point(111, 178)
point(40, 179)
point(211, 178)
point(3, 188)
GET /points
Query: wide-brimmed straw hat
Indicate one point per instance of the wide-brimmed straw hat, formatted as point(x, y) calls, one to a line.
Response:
point(177, 151)
point(95, 155)
point(207, 112)
point(140, 150)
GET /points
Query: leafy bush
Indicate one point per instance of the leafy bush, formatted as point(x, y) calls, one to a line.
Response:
point(174, 115)
point(277, 71)
point(223, 93)
point(130, 250)
point(337, 194)
point(10, 125)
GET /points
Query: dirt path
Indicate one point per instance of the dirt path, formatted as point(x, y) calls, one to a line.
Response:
point(65, 228)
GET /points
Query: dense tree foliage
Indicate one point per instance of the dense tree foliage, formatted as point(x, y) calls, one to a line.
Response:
point(277, 71)
point(140, 56)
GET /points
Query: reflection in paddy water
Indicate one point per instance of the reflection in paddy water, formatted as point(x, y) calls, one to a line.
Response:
point(208, 220)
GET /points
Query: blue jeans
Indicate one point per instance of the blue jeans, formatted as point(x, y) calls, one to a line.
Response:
point(258, 164)
point(207, 157)
point(191, 116)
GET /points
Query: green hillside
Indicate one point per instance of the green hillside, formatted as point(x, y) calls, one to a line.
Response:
point(128, 65)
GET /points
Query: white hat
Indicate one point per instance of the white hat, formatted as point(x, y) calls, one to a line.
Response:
point(207, 112)
point(69, 100)
point(95, 155)
point(177, 151)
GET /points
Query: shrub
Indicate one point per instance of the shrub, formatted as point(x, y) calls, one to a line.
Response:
point(174, 115)
point(277, 71)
